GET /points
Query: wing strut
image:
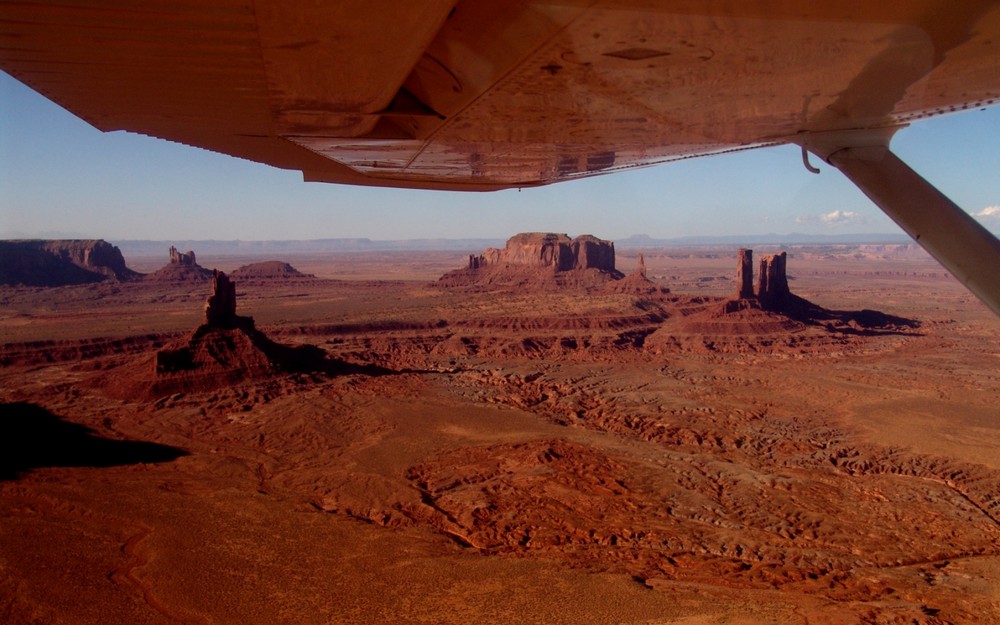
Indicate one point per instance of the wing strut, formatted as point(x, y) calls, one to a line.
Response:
point(959, 242)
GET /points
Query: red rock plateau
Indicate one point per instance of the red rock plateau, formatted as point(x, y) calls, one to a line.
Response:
point(542, 455)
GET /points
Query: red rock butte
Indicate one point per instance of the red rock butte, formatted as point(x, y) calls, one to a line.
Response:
point(226, 348)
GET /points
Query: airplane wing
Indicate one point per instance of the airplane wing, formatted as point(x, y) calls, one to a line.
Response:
point(473, 95)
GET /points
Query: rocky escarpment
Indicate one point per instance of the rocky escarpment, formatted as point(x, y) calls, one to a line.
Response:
point(61, 262)
point(540, 259)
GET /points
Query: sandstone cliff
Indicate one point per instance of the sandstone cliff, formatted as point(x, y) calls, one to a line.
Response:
point(61, 262)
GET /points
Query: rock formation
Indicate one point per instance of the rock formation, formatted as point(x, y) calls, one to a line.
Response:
point(772, 283)
point(636, 282)
point(744, 274)
point(557, 251)
point(228, 348)
point(182, 258)
point(61, 262)
point(772, 293)
point(220, 308)
point(537, 258)
point(181, 267)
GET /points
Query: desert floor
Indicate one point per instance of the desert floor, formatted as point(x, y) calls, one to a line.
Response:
point(508, 457)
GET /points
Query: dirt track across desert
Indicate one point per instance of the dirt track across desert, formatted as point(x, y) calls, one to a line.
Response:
point(508, 454)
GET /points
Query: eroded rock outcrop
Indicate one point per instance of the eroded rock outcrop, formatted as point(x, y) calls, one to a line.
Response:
point(636, 282)
point(774, 308)
point(181, 267)
point(772, 292)
point(61, 262)
point(540, 258)
point(220, 308)
point(227, 348)
point(182, 258)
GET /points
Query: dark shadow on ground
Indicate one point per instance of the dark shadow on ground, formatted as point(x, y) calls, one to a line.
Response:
point(31, 437)
point(858, 322)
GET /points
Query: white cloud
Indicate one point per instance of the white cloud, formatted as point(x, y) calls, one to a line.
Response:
point(840, 218)
point(991, 213)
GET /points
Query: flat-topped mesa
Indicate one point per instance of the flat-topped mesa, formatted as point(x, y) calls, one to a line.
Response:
point(558, 251)
point(772, 283)
point(182, 258)
point(744, 274)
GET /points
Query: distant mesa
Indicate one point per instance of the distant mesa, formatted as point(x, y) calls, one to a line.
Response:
point(182, 267)
point(270, 270)
point(61, 262)
point(543, 260)
point(226, 349)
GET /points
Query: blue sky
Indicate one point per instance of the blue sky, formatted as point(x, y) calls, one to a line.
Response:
point(60, 177)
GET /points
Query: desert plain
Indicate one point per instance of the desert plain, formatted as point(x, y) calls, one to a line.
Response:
point(507, 455)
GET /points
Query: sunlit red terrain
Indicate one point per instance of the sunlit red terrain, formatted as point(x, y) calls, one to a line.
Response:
point(514, 455)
